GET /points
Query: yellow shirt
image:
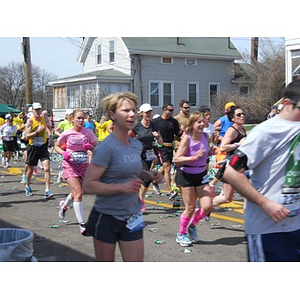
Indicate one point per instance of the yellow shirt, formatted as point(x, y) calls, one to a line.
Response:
point(41, 138)
point(102, 130)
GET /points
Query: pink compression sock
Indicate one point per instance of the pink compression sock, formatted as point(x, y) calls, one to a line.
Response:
point(184, 222)
point(198, 215)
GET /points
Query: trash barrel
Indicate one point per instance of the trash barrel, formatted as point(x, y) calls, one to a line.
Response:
point(16, 245)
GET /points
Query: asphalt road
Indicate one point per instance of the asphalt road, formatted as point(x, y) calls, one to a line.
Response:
point(221, 238)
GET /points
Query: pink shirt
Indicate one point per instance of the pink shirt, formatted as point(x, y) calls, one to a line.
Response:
point(75, 139)
point(198, 166)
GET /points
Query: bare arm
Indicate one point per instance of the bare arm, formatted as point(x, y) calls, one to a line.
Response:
point(92, 185)
point(241, 184)
point(180, 158)
point(229, 136)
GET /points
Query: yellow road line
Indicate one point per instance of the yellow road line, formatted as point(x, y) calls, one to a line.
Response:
point(227, 218)
point(237, 206)
point(14, 171)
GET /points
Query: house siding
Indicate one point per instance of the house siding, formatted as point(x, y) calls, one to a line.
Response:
point(204, 73)
point(122, 59)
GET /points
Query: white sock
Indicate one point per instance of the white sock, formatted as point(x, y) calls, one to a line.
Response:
point(68, 199)
point(78, 208)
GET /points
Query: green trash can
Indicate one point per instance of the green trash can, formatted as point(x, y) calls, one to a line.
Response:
point(16, 245)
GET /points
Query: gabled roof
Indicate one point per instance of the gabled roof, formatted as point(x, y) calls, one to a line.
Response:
point(185, 46)
point(100, 74)
point(206, 47)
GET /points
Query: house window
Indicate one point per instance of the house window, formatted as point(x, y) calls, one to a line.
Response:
point(111, 51)
point(244, 90)
point(191, 62)
point(99, 54)
point(161, 93)
point(214, 90)
point(73, 96)
point(166, 60)
point(193, 93)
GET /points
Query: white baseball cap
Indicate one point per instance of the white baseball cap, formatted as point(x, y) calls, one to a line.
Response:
point(7, 116)
point(36, 105)
point(145, 107)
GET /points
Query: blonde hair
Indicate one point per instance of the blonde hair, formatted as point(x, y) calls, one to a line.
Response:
point(113, 101)
point(192, 120)
point(75, 111)
point(103, 119)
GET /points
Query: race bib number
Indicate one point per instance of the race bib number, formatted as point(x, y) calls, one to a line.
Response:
point(38, 141)
point(79, 157)
point(136, 222)
point(292, 203)
point(150, 155)
point(205, 179)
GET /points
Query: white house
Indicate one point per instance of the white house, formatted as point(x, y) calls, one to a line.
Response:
point(292, 59)
point(158, 70)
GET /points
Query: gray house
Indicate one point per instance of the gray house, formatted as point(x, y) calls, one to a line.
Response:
point(158, 70)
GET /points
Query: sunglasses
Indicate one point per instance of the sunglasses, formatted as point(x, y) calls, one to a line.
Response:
point(170, 109)
point(186, 107)
point(240, 114)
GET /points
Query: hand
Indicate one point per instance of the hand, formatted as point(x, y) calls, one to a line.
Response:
point(155, 134)
point(132, 186)
point(87, 146)
point(199, 153)
point(275, 211)
point(40, 128)
point(156, 176)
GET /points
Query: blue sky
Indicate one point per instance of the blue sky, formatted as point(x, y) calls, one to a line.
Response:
point(58, 54)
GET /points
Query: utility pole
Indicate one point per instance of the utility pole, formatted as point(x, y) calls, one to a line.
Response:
point(254, 49)
point(28, 76)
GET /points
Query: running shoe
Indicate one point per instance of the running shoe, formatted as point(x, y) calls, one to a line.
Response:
point(35, 172)
point(62, 210)
point(193, 233)
point(28, 191)
point(48, 194)
point(183, 240)
point(172, 195)
point(82, 229)
point(156, 188)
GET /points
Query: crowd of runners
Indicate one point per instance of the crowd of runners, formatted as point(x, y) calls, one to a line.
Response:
point(117, 160)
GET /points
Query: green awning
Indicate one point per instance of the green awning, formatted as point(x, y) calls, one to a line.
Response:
point(5, 109)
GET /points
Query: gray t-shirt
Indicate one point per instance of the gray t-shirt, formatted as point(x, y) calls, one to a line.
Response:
point(122, 163)
point(267, 149)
